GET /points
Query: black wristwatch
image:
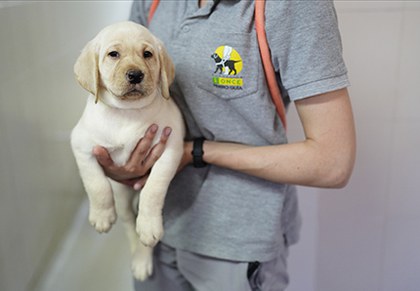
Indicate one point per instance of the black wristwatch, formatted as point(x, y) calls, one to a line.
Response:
point(198, 153)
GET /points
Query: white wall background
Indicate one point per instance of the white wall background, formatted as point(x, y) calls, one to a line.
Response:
point(39, 104)
point(366, 237)
point(361, 238)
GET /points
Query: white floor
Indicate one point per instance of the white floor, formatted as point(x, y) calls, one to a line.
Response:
point(90, 261)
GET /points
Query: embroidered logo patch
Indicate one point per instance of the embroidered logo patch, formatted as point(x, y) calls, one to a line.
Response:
point(228, 65)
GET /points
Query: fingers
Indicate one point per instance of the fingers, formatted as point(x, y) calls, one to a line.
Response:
point(135, 183)
point(142, 159)
point(157, 149)
point(102, 156)
point(165, 134)
point(140, 183)
point(143, 146)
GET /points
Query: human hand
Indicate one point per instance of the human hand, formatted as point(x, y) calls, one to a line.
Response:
point(136, 171)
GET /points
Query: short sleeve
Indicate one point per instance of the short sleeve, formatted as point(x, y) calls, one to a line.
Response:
point(306, 47)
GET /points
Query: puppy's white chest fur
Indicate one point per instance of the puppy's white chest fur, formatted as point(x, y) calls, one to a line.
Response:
point(118, 130)
point(120, 138)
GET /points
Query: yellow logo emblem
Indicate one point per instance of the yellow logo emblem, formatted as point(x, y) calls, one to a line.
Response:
point(228, 64)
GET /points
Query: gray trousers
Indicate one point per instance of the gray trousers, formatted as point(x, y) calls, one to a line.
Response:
point(178, 270)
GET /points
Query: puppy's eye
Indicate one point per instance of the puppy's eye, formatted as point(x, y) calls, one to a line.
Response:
point(114, 54)
point(147, 54)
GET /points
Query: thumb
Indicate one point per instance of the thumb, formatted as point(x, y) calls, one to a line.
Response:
point(102, 156)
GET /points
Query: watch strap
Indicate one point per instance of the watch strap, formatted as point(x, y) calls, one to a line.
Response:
point(198, 153)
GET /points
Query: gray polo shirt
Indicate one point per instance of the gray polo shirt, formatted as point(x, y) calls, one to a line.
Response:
point(221, 89)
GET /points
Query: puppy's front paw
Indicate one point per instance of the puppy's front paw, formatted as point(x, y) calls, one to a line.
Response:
point(150, 229)
point(102, 219)
point(142, 264)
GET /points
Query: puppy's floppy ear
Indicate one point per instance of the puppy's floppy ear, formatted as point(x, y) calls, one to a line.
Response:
point(86, 69)
point(167, 71)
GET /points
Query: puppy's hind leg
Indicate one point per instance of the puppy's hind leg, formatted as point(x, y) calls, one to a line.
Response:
point(142, 264)
point(123, 196)
point(141, 256)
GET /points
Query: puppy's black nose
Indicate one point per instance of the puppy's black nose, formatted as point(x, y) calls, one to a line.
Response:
point(134, 77)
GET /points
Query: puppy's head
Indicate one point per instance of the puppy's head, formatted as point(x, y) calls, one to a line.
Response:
point(126, 60)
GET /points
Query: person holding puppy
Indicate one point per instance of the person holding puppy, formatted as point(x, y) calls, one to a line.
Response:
point(231, 212)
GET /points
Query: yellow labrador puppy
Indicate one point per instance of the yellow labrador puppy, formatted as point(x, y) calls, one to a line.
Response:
point(127, 72)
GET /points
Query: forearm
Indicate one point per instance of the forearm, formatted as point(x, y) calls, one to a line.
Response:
point(300, 163)
point(325, 158)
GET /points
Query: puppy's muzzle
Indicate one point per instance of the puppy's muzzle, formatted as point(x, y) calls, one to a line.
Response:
point(134, 76)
